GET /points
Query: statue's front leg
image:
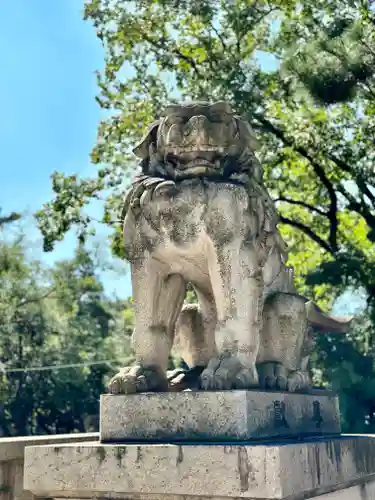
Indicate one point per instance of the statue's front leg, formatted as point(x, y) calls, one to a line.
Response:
point(237, 285)
point(157, 300)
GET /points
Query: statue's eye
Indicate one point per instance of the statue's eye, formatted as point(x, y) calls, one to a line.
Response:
point(216, 117)
point(220, 117)
point(174, 120)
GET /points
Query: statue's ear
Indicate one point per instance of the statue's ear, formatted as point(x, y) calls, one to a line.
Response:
point(247, 133)
point(141, 150)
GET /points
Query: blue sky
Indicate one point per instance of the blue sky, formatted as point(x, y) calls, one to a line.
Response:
point(49, 118)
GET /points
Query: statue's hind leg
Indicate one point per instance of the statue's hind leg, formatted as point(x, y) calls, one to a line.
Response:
point(195, 341)
point(283, 340)
point(157, 300)
point(195, 331)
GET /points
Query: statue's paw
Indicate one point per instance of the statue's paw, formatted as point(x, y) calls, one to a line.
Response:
point(299, 381)
point(220, 373)
point(118, 382)
point(273, 375)
point(134, 379)
point(247, 378)
point(225, 373)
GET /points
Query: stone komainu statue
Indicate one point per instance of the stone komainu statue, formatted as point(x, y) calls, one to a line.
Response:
point(199, 214)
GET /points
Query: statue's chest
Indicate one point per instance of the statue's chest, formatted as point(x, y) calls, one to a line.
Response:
point(183, 213)
point(197, 205)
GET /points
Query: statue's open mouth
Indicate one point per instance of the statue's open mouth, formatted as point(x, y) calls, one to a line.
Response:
point(199, 163)
point(205, 159)
point(195, 150)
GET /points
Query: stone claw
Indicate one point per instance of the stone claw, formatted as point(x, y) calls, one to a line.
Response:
point(273, 375)
point(131, 380)
point(299, 381)
point(219, 374)
point(282, 383)
point(246, 379)
point(225, 373)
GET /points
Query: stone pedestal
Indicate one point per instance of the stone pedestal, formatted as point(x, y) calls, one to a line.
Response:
point(255, 471)
point(234, 444)
point(217, 416)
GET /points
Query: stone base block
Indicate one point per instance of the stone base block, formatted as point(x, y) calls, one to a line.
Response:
point(278, 470)
point(216, 416)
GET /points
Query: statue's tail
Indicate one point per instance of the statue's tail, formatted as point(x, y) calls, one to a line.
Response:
point(324, 322)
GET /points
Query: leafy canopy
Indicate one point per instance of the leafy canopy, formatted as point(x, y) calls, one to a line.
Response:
point(54, 317)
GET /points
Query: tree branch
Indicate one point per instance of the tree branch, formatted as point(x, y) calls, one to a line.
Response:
point(218, 34)
point(162, 45)
point(319, 171)
point(36, 299)
point(359, 207)
point(360, 180)
point(9, 218)
point(309, 232)
point(301, 204)
point(244, 26)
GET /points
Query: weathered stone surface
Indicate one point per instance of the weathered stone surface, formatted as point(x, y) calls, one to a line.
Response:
point(264, 471)
point(200, 214)
point(215, 416)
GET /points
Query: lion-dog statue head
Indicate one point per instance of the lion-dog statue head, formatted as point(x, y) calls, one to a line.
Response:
point(197, 140)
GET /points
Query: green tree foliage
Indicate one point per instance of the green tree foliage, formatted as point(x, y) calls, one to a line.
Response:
point(8, 218)
point(312, 107)
point(334, 56)
point(55, 317)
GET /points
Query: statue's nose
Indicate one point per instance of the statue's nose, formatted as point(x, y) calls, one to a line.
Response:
point(197, 121)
